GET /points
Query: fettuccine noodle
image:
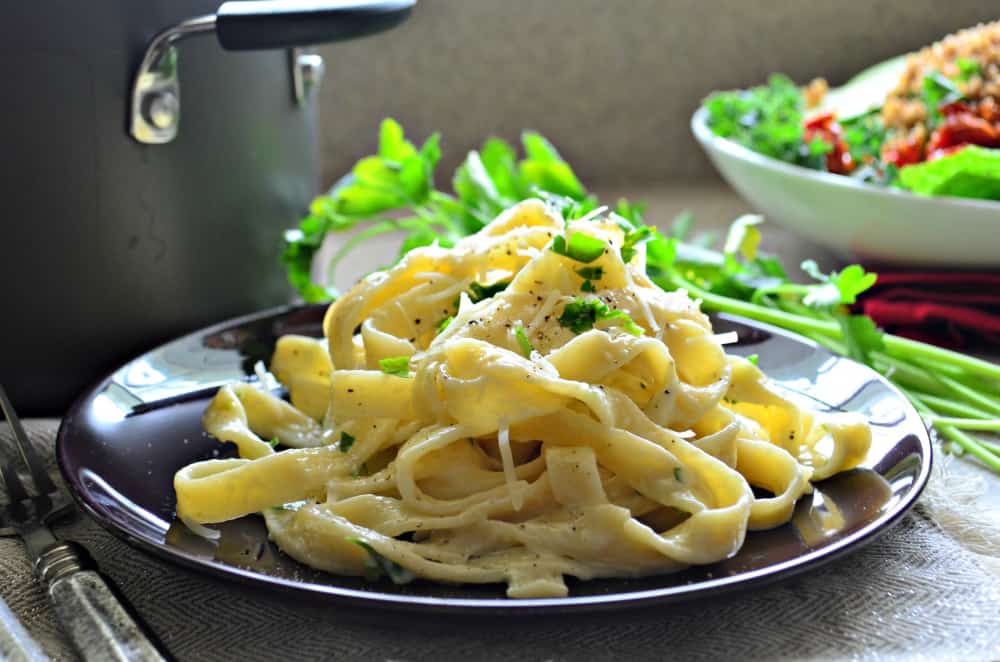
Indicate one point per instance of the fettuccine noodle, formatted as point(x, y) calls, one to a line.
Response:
point(535, 435)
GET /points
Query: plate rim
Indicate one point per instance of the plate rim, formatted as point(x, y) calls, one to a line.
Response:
point(327, 593)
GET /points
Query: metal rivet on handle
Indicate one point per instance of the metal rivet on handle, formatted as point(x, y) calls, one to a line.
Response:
point(162, 109)
point(308, 70)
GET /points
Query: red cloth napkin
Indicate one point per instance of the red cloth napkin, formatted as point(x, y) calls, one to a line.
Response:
point(952, 308)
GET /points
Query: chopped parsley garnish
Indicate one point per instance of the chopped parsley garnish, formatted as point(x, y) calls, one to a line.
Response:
point(274, 442)
point(590, 273)
point(522, 340)
point(754, 359)
point(443, 324)
point(633, 238)
point(580, 247)
point(678, 475)
point(967, 68)
point(396, 365)
point(346, 441)
point(938, 91)
point(377, 566)
point(479, 292)
point(580, 315)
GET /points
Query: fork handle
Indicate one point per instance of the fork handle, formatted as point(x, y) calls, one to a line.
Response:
point(98, 623)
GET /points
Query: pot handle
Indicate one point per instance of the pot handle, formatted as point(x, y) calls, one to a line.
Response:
point(242, 25)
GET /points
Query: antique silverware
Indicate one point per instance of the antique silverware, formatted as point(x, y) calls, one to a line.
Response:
point(16, 645)
point(97, 623)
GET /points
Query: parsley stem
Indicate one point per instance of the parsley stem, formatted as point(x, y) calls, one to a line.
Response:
point(907, 374)
point(951, 407)
point(952, 433)
point(985, 402)
point(917, 350)
point(788, 288)
point(774, 316)
point(970, 446)
point(992, 425)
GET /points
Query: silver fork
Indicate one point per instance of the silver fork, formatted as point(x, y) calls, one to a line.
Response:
point(98, 624)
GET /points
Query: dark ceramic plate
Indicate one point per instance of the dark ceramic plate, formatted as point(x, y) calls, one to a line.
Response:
point(121, 443)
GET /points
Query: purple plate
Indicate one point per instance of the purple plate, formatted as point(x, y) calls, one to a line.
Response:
point(122, 442)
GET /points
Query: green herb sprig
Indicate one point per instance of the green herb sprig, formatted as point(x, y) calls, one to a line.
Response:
point(581, 315)
point(395, 365)
point(378, 566)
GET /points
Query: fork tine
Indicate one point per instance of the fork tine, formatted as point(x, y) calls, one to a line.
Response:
point(39, 475)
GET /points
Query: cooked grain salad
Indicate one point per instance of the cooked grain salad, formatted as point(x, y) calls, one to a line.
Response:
point(970, 58)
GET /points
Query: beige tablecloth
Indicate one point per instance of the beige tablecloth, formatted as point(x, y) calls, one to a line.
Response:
point(924, 590)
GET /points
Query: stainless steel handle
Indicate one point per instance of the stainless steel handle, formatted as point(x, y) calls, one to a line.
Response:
point(99, 625)
point(241, 25)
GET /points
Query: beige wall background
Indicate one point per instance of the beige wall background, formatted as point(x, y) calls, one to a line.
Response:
point(611, 82)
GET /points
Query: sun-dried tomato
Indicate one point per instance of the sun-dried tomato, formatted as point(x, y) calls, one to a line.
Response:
point(826, 128)
point(903, 151)
point(963, 128)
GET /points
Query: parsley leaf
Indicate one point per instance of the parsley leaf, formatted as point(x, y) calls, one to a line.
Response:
point(522, 340)
point(396, 365)
point(938, 91)
point(479, 292)
point(861, 336)
point(443, 324)
point(967, 68)
point(590, 273)
point(346, 441)
point(742, 240)
point(378, 566)
point(754, 359)
point(865, 134)
point(678, 475)
point(274, 442)
point(837, 288)
point(633, 238)
point(580, 315)
point(580, 247)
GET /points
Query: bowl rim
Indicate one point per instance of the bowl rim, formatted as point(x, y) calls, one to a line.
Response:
point(710, 141)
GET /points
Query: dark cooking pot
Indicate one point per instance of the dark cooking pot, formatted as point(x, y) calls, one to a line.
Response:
point(148, 177)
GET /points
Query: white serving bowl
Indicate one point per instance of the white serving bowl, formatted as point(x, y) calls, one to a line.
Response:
point(854, 219)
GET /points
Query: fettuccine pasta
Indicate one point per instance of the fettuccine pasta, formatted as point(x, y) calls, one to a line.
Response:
point(520, 408)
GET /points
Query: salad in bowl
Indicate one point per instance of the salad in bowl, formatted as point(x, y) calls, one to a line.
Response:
point(899, 165)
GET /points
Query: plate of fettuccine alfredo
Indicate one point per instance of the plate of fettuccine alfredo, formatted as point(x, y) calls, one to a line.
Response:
point(523, 421)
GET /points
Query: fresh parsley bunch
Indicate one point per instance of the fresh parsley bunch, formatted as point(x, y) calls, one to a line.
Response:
point(394, 191)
